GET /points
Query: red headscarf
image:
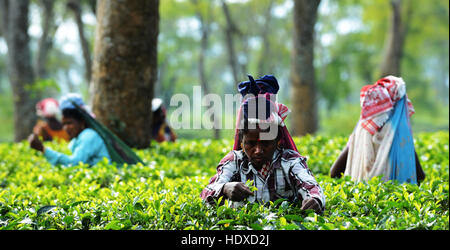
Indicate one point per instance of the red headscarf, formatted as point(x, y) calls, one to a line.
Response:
point(379, 98)
point(48, 107)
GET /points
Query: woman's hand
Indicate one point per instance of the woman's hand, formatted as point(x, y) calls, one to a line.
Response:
point(311, 204)
point(35, 143)
point(236, 191)
point(338, 167)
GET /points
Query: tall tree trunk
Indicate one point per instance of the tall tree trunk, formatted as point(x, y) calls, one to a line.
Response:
point(45, 43)
point(393, 51)
point(442, 87)
point(15, 24)
point(230, 30)
point(264, 65)
point(2, 64)
point(125, 67)
point(70, 85)
point(93, 6)
point(304, 90)
point(75, 6)
point(205, 28)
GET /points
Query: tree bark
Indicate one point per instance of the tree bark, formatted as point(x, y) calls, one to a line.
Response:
point(265, 65)
point(204, 42)
point(391, 63)
point(20, 70)
point(304, 90)
point(125, 67)
point(93, 6)
point(45, 43)
point(230, 31)
point(75, 6)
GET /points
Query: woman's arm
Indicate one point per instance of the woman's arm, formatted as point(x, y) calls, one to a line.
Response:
point(338, 167)
point(419, 171)
point(89, 144)
point(307, 187)
point(225, 171)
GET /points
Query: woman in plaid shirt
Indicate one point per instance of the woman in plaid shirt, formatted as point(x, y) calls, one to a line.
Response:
point(273, 164)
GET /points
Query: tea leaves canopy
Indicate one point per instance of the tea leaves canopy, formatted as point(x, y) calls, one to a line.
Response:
point(163, 191)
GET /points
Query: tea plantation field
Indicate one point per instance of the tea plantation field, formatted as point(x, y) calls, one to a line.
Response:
point(163, 193)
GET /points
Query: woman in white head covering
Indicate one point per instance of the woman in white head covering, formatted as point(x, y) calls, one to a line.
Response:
point(49, 127)
point(86, 144)
point(161, 130)
point(382, 143)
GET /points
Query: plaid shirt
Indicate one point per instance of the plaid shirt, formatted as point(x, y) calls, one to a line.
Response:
point(288, 177)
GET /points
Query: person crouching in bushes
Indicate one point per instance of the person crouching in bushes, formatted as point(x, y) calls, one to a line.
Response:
point(48, 126)
point(161, 131)
point(270, 161)
point(85, 143)
point(382, 143)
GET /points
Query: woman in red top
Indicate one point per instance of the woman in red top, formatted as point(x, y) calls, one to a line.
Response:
point(49, 127)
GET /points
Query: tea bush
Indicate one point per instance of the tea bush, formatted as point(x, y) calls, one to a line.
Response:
point(163, 193)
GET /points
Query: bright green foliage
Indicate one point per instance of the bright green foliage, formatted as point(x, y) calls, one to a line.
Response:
point(163, 193)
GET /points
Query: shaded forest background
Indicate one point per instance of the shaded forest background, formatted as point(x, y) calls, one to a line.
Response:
point(214, 44)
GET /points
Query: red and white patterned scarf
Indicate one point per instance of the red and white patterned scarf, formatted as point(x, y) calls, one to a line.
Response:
point(378, 99)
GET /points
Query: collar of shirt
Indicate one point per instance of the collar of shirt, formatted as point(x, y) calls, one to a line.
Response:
point(249, 167)
point(265, 171)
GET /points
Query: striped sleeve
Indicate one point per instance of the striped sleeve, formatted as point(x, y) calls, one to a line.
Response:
point(225, 171)
point(305, 182)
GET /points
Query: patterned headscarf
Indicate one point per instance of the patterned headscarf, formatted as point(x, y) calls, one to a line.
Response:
point(378, 99)
point(262, 91)
point(48, 107)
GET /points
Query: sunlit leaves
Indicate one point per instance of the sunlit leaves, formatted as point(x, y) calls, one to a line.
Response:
point(35, 195)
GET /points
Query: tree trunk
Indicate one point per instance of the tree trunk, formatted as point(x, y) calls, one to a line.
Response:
point(93, 6)
point(15, 29)
point(125, 67)
point(304, 90)
point(442, 87)
point(205, 28)
point(45, 43)
point(75, 6)
point(230, 30)
point(391, 63)
point(265, 65)
point(70, 84)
